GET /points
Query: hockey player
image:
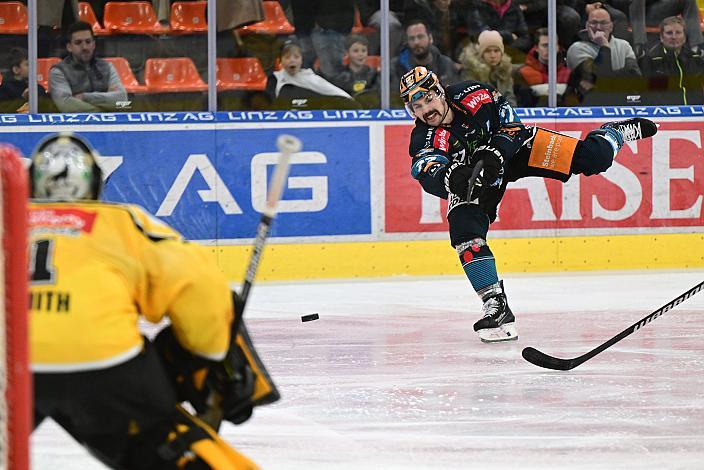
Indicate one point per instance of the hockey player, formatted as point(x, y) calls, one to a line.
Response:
point(95, 268)
point(460, 125)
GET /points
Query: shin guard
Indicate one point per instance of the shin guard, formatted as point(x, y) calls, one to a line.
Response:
point(478, 263)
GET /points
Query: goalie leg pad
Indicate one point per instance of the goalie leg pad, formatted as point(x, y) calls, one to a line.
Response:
point(478, 263)
point(193, 445)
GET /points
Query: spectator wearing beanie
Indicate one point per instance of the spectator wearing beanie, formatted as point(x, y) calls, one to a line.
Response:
point(486, 62)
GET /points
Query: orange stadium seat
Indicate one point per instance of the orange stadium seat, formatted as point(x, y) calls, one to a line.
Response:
point(86, 13)
point(275, 22)
point(43, 66)
point(13, 18)
point(132, 18)
point(178, 74)
point(188, 17)
point(245, 73)
point(123, 69)
point(358, 27)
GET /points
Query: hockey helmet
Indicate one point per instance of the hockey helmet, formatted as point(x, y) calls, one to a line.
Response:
point(64, 167)
point(416, 83)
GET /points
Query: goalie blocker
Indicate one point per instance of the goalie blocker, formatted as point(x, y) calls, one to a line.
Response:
point(234, 385)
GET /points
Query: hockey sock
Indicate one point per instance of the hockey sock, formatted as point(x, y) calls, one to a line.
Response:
point(478, 263)
point(612, 136)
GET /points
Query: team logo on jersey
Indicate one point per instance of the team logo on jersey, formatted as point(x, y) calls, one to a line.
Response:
point(64, 221)
point(475, 100)
point(442, 139)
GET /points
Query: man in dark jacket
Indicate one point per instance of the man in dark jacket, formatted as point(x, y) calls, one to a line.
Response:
point(503, 16)
point(674, 73)
point(81, 83)
point(420, 50)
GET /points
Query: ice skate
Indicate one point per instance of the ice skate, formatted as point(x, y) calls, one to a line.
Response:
point(498, 323)
point(634, 128)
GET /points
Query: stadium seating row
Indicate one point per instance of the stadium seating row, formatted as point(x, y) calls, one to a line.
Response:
point(178, 74)
point(140, 18)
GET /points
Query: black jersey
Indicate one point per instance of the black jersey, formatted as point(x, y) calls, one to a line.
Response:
point(482, 116)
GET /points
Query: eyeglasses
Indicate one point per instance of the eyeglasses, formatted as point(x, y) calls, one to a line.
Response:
point(601, 24)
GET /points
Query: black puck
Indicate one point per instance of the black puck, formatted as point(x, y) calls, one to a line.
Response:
point(311, 317)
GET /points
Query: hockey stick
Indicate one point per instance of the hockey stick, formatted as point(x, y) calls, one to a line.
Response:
point(472, 179)
point(287, 145)
point(541, 359)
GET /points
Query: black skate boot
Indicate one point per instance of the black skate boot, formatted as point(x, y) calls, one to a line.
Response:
point(633, 129)
point(498, 323)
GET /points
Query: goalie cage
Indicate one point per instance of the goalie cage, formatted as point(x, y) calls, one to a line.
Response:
point(16, 398)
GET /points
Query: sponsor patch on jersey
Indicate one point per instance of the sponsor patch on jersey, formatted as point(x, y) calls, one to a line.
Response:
point(67, 221)
point(552, 151)
point(475, 100)
point(442, 140)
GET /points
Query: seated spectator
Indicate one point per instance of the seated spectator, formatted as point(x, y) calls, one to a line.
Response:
point(674, 73)
point(601, 57)
point(295, 88)
point(83, 83)
point(357, 78)
point(503, 16)
point(532, 77)
point(568, 20)
point(14, 90)
point(419, 50)
point(618, 12)
point(651, 12)
point(440, 17)
point(487, 63)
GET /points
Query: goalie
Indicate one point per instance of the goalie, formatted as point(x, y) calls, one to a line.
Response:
point(95, 268)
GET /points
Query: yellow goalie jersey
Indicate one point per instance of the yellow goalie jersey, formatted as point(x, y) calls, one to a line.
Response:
point(95, 267)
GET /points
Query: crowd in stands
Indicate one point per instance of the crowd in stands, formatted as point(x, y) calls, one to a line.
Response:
point(318, 54)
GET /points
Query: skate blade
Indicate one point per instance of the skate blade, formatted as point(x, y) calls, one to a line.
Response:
point(506, 332)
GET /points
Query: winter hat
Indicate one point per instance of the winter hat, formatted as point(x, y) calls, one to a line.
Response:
point(490, 38)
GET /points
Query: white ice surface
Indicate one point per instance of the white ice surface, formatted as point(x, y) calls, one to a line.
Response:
point(392, 377)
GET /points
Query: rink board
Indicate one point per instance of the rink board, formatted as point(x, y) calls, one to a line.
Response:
point(351, 208)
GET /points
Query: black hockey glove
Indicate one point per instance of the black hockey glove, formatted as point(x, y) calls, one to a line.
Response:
point(493, 171)
point(457, 179)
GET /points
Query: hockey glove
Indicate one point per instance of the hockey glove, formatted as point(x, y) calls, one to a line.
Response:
point(457, 179)
point(493, 171)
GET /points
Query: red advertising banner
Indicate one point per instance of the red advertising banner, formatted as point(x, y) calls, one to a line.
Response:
point(657, 182)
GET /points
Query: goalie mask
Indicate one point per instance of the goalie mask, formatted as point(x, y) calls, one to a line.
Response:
point(64, 168)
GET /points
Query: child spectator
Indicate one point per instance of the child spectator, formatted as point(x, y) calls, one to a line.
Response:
point(487, 63)
point(293, 87)
point(14, 90)
point(357, 78)
point(532, 77)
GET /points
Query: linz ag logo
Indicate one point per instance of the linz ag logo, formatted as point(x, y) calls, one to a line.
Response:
point(441, 140)
point(475, 100)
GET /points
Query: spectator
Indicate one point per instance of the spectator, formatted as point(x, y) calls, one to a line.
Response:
point(487, 63)
point(503, 16)
point(440, 17)
point(53, 17)
point(568, 20)
point(651, 12)
point(294, 87)
point(357, 78)
point(14, 90)
point(618, 12)
point(532, 77)
point(675, 73)
point(83, 83)
point(419, 50)
point(370, 16)
point(601, 56)
point(321, 27)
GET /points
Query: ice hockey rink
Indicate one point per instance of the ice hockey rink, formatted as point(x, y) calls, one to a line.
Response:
point(392, 377)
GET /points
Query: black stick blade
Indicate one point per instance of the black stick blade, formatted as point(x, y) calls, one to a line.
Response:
point(541, 359)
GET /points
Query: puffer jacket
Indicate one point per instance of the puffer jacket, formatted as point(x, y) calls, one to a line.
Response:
point(500, 76)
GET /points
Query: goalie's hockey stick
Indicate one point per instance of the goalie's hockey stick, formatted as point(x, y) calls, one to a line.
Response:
point(541, 359)
point(287, 146)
